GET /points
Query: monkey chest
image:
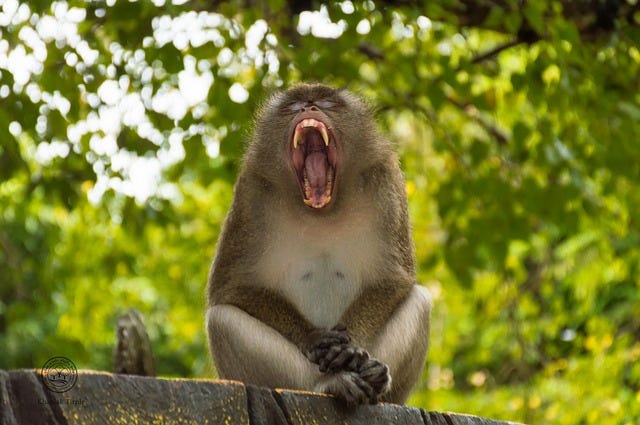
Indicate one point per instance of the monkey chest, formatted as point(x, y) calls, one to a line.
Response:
point(320, 273)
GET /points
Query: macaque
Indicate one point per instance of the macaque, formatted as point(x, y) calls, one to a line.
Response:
point(313, 284)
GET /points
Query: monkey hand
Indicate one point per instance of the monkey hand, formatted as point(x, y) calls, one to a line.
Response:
point(347, 358)
point(332, 352)
point(348, 387)
point(323, 341)
point(376, 374)
point(343, 357)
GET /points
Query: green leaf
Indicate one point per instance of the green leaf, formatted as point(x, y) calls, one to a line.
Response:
point(534, 12)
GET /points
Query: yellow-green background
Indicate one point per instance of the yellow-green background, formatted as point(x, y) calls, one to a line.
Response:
point(522, 168)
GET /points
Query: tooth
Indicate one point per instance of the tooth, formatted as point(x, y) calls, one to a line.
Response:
point(325, 136)
point(296, 137)
point(307, 185)
point(311, 122)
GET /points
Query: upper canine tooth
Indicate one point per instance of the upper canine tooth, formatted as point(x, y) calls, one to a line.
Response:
point(325, 136)
point(296, 137)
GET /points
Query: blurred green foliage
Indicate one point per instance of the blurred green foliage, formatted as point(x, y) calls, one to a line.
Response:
point(123, 123)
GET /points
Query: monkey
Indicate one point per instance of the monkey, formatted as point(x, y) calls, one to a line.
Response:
point(313, 283)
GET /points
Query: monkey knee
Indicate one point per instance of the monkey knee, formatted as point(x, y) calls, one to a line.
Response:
point(421, 297)
point(220, 319)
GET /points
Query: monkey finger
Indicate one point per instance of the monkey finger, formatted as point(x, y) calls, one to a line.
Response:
point(330, 338)
point(374, 374)
point(360, 356)
point(379, 382)
point(332, 354)
point(317, 354)
point(336, 335)
point(351, 358)
point(364, 386)
point(341, 361)
point(377, 375)
point(357, 391)
point(372, 366)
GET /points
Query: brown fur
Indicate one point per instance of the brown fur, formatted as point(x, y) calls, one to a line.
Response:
point(369, 184)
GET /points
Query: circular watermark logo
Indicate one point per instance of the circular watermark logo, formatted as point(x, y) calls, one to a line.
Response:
point(59, 374)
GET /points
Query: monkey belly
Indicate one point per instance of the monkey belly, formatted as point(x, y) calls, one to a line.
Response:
point(321, 288)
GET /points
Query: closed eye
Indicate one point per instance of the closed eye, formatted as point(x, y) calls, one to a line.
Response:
point(292, 108)
point(297, 106)
point(325, 104)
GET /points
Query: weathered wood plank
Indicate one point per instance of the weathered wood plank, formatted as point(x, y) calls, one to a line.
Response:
point(28, 400)
point(308, 408)
point(263, 407)
point(127, 399)
point(104, 398)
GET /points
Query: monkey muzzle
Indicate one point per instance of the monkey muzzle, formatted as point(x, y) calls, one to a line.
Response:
point(314, 155)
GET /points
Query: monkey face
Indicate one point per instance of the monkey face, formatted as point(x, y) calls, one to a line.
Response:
point(313, 153)
point(317, 138)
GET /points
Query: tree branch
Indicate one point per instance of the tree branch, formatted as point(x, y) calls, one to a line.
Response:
point(495, 51)
point(472, 112)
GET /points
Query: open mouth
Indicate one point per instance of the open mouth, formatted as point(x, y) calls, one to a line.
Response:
point(314, 155)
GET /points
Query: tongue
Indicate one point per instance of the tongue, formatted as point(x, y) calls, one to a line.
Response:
point(315, 165)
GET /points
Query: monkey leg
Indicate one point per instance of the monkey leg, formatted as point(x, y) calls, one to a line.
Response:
point(245, 349)
point(403, 342)
point(248, 350)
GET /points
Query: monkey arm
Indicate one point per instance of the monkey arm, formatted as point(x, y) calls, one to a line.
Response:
point(246, 349)
point(280, 315)
point(256, 336)
point(272, 310)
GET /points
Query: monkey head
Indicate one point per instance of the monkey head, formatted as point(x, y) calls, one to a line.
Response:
point(306, 136)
